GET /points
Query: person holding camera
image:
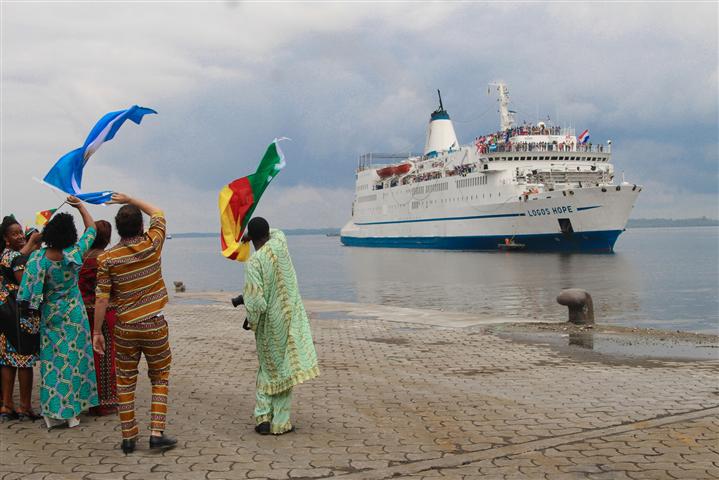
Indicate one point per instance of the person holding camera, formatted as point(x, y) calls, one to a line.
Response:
point(276, 314)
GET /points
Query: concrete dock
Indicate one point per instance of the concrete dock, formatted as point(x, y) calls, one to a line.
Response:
point(402, 394)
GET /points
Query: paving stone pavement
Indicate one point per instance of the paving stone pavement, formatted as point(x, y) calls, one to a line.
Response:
point(397, 399)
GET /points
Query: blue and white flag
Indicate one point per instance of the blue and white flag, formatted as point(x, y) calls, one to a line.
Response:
point(583, 137)
point(66, 174)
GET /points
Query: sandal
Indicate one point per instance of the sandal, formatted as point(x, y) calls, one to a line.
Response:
point(8, 416)
point(28, 415)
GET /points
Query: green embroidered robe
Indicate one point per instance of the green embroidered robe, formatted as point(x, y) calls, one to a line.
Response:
point(276, 314)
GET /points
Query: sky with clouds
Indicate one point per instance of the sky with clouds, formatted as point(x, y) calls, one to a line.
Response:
point(341, 80)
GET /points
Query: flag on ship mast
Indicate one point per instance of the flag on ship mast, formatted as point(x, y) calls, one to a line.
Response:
point(66, 174)
point(239, 199)
point(583, 137)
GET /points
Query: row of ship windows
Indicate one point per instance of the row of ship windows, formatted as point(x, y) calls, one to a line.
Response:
point(437, 187)
point(363, 187)
point(471, 182)
point(562, 158)
point(428, 203)
point(465, 198)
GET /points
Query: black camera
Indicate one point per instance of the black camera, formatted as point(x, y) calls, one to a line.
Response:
point(238, 300)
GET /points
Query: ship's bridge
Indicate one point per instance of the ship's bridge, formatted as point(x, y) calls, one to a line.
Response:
point(548, 152)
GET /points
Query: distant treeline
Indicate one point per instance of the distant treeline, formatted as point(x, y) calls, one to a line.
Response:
point(672, 222)
point(292, 231)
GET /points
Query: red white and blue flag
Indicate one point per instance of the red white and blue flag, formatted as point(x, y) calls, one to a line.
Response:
point(583, 137)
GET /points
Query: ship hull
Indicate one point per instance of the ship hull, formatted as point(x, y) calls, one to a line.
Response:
point(587, 220)
point(595, 242)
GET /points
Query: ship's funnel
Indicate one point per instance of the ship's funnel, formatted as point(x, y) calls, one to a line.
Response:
point(440, 132)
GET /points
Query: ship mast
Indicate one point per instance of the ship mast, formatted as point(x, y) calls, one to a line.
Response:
point(506, 116)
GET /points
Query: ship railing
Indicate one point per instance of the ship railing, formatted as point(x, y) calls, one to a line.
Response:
point(543, 147)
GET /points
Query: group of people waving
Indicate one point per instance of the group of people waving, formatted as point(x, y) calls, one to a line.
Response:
point(87, 313)
point(56, 308)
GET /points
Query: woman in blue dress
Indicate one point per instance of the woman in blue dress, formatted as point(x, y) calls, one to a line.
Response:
point(50, 286)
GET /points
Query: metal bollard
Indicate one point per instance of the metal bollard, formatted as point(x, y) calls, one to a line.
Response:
point(581, 307)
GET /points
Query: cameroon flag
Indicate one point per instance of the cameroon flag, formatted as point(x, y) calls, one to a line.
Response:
point(239, 199)
point(41, 218)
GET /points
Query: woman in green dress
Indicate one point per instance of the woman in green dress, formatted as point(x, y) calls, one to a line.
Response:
point(50, 286)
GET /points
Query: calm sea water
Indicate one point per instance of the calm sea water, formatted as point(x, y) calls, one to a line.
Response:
point(658, 277)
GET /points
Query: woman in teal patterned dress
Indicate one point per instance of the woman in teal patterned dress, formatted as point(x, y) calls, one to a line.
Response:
point(50, 286)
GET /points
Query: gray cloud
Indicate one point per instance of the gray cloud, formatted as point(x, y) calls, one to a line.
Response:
point(341, 80)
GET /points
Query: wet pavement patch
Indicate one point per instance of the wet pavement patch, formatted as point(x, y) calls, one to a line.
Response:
point(634, 344)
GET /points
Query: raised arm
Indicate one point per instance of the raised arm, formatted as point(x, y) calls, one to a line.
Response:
point(86, 217)
point(32, 244)
point(147, 208)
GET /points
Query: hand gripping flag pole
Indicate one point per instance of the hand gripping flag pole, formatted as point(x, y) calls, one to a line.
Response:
point(66, 174)
point(239, 199)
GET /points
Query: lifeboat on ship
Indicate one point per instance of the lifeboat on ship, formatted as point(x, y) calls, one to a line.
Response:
point(393, 170)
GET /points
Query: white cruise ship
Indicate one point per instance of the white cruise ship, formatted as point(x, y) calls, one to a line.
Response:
point(534, 187)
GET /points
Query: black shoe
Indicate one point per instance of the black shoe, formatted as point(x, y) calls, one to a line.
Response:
point(128, 446)
point(162, 442)
point(263, 428)
point(28, 415)
point(8, 416)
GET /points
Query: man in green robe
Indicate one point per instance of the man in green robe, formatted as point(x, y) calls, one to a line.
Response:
point(276, 314)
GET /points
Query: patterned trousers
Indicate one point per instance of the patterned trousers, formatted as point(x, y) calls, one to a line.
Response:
point(274, 409)
point(149, 337)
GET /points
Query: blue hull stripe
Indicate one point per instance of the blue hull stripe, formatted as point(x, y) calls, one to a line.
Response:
point(474, 217)
point(443, 219)
point(595, 241)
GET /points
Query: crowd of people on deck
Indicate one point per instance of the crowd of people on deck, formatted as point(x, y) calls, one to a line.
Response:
point(538, 129)
point(553, 146)
point(86, 313)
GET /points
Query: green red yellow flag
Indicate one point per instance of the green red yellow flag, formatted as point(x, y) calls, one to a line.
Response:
point(239, 199)
point(41, 218)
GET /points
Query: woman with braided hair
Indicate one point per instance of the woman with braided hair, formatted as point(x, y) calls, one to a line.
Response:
point(19, 335)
